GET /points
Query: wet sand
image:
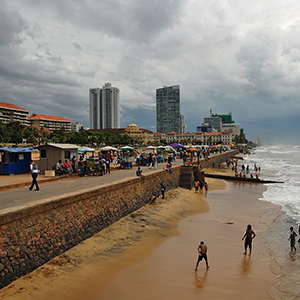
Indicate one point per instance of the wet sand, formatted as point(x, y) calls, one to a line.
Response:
point(151, 254)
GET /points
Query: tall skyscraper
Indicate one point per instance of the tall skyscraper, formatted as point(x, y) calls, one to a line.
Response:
point(104, 107)
point(168, 109)
point(181, 123)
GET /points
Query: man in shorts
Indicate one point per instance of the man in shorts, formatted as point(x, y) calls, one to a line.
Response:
point(202, 251)
point(249, 235)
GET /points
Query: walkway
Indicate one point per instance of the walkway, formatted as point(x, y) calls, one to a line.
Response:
point(18, 198)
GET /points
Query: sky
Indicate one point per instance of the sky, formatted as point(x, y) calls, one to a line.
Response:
point(226, 55)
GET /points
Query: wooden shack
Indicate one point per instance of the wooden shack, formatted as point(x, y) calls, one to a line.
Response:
point(51, 153)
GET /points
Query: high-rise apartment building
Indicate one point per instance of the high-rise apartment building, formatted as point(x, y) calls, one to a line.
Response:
point(168, 109)
point(104, 107)
point(10, 113)
point(181, 123)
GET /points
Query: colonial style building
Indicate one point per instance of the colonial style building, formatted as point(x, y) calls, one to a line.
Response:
point(208, 138)
point(10, 112)
point(50, 122)
point(141, 135)
point(158, 136)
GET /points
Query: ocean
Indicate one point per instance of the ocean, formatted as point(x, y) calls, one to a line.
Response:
point(281, 163)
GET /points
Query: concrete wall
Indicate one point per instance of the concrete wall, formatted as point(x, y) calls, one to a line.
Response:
point(33, 236)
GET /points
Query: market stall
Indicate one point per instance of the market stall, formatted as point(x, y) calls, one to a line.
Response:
point(127, 157)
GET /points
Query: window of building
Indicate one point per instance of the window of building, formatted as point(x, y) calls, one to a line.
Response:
point(14, 157)
point(67, 154)
point(43, 153)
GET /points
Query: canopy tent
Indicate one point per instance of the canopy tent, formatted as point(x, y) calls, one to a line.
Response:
point(127, 148)
point(176, 145)
point(83, 150)
point(108, 148)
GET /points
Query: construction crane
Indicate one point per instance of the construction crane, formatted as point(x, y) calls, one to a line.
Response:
point(228, 111)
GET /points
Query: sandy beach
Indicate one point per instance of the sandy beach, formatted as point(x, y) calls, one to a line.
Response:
point(151, 254)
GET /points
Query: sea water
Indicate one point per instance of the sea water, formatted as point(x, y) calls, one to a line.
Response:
point(281, 163)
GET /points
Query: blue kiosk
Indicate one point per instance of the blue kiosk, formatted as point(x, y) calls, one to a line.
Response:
point(15, 160)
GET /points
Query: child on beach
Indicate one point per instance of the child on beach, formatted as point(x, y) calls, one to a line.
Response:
point(249, 235)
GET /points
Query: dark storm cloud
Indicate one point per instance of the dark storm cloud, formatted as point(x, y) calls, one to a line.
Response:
point(247, 53)
point(139, 20)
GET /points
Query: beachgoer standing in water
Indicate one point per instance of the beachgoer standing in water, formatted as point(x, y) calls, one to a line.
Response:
point(202, 253)
point(249, 235)
point(292, 238)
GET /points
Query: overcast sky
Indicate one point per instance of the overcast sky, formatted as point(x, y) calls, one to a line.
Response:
point(245, 52)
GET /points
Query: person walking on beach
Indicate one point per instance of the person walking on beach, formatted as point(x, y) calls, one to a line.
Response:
point(206, 187)
point(202, 253)
point(249, 235)
point(34, 173)
point(196, 185)
point(292, 238)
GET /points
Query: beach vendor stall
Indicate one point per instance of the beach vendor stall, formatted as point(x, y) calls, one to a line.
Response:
point(93, 166)
point(89, 152)
point(160, 153)
point(127, 157)
point(15, 160)
point(112, 152)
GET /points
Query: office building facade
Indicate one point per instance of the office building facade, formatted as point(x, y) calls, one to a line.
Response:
point(104, 107)
point(168, 109)
point(215, 122)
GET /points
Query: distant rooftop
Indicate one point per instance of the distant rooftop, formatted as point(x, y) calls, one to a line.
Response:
point(12, 107)
point(48, 118)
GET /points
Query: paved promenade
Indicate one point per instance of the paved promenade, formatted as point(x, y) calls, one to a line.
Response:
point(20, 197)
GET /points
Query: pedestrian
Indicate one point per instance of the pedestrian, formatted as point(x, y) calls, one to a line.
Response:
point(292, 238)
point(249, 235)
point(34, 170)
point(82, 166)
point(74, 163)
point(196, 185)
point(107, 165)
point(150, 160)
point(201, 184)
point(162, 188)
point(155, 161)
point(206, 187)
point(202, 253)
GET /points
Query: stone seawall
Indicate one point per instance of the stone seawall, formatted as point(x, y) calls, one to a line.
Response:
point(32, 236)
point(217, 159)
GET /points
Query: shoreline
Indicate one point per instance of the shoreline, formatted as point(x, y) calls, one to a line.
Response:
point(129, 243)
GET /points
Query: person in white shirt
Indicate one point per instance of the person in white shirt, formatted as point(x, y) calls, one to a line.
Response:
point(34, 173)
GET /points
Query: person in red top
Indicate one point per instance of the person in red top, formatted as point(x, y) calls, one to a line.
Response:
point(66, 167)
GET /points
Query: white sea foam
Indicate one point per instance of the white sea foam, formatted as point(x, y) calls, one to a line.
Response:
point(280, 163)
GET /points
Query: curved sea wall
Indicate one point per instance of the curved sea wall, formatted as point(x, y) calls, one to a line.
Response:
point(31, 236)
